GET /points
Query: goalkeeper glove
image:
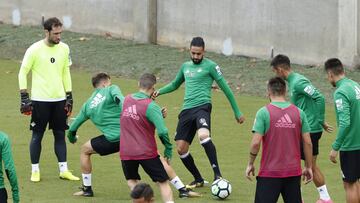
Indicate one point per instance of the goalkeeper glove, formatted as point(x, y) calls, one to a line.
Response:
point(72, 136)
point(69, 103)
point(25, 104)
point(168, 146)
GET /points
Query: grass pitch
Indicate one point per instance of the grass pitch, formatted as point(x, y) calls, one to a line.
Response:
point(232, 142)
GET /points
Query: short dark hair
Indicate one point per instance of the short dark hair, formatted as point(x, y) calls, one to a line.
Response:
point(277, 86)
point(142, 190)
point(335, 66)
point(280, 60)
point(197, 42)
point(147, 81)
point(52, 22)
point(97, 78)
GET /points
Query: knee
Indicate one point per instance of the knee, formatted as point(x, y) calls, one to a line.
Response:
point(203, 134)
point(204, 137)
point(85, 149)
point(181, 150)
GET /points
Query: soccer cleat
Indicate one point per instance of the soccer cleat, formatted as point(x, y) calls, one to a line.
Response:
point(35, 176)
point(185, 193)
point(85, 191)
point(324, 201)
point(195, 184)
point(67, 175)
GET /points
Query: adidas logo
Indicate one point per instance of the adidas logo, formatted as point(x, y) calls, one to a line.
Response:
point(214, 166)
point(203, 122)
point(131, 112)
point(97, 100)
point(285, 122)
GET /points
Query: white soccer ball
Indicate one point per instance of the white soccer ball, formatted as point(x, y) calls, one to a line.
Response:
point(221, 188)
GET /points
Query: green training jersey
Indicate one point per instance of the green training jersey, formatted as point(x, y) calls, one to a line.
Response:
point(262, 119)
point(50, 71)
point(153, 114)
point(7, 159)
point(104, 111)
point(198, 80)
point(347, 108)
point(309, 99)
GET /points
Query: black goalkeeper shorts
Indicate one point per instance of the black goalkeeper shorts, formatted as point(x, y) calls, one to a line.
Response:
point(48, 112)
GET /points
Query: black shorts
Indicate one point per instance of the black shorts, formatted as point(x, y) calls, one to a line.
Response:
point(3, 195)
point(350, 165)
point(315, 137)
point(48, 112)
point(103, 146)
point(190, 120)
point(268, 190)
point(153, 167)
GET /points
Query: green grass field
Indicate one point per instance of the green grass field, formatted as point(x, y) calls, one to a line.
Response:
point(232, 142)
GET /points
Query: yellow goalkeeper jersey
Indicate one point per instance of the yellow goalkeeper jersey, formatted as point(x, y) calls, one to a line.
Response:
point(50, 68)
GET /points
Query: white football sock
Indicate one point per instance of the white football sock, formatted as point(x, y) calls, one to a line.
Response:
point(177, 183)
point(63, 167)
point(324, 195)
point(86, 179)
point(35, 168)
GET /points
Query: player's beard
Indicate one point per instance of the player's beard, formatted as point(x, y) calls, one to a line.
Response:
point(50, 41)
point(197, 61)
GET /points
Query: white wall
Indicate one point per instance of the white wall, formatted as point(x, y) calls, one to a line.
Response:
point(308, 31)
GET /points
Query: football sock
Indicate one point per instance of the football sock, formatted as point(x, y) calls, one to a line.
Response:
point(35, 146)
point(177, 183)
point(35, 168)
point(189, 163)
point(86, 179)
point(211, 154)
point(60, 145)
point(63, 166)
point(324, 195)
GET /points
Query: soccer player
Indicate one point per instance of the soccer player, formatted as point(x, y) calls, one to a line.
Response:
point(51, 99)
point(309, 99)
point(142, 193)
point(140, 116)
point(198, 75)
point(6, 158)
point(280, 126)
point(103, 108)
point(347, 109)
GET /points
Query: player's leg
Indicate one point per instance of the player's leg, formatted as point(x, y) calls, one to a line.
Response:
point(267, 190)
point(86, 169)
point(165, 191)
point(350, 167)
point(155, 169)
point(39, 119)
point(98, 145)
point(185, 133)
point(203, 123)
point(290, 191)
point(130, 170)
point(57, 123)
point(351, 192)
point(318, 179)
point(176, 181)
point(3, 195)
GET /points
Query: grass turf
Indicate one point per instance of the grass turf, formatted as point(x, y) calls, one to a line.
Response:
point(232, 142)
